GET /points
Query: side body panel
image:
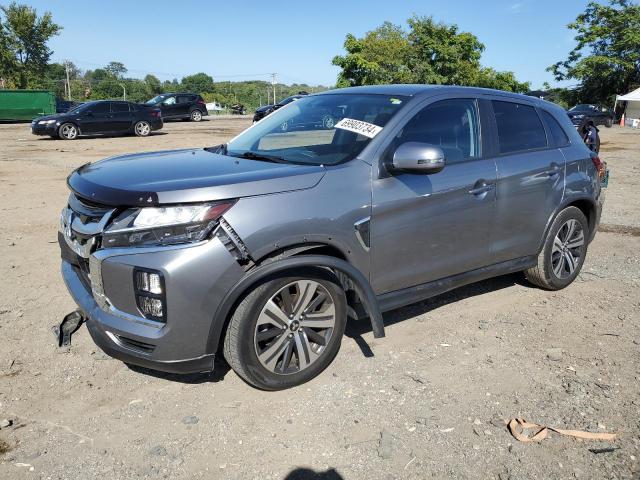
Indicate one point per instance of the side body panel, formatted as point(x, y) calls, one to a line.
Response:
point(324, 214)
point(530, 187)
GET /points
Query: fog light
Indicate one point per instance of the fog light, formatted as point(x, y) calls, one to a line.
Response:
point(150, 293)
point(149, 282)
point(150, 306)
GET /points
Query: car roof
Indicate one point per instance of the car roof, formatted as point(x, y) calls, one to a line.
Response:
point(414, 90)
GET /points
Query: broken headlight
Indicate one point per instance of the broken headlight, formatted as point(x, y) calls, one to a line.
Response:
point(152, 226)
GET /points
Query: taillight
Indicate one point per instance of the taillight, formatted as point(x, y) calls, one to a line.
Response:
point(598, 164)
point(200, 101)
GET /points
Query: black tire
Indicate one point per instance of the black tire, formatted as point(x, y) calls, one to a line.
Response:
point(68, 131)
point(240, 342)
point(196, 115)
point(142, 128)
point(544, 274)
point(608, 123)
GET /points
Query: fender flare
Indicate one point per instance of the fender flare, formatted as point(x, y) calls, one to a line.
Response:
point(361, 284)
point(566, 202)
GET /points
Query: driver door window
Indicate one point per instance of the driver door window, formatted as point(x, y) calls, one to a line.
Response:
point(452, 125)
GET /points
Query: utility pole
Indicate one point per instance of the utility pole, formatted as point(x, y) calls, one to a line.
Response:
point(124, 91)
point(68, 86)
point(273, 84)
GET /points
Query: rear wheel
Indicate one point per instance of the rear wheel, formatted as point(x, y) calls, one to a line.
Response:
point(287, 330)
point(68, 131)
point(142, 129)
point(196, 116)
point(564, 251)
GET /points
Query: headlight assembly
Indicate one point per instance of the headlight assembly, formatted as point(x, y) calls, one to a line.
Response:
point(149, 226)
point(46, 122)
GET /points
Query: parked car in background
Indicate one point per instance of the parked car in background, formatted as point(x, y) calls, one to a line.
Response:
point(100, 118)
point(597, 113)
point(180, 106)
point(265, 110)
point(259, 249)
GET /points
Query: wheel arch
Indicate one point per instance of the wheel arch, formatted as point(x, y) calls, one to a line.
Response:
point(586, 205)
point(317, 255)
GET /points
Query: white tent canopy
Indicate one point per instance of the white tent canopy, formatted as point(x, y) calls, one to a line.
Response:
point(630, 97)
point(632, 112)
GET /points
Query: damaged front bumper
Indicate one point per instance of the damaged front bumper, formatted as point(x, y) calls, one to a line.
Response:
point(197, 277)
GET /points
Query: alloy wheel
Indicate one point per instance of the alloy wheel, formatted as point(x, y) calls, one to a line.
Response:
point(294, 327)
point(568, 248)
point(69, 131)
point(143, 129)
point(196, 116)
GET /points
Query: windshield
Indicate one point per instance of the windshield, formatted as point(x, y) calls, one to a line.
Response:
point(288, 100)
point(317, 130)
point(582, 106)
point(155, 100)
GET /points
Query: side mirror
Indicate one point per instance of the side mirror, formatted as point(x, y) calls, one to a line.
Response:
point(418, 158)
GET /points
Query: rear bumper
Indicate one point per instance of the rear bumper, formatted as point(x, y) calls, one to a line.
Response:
point(156, 124)
point(196, 278)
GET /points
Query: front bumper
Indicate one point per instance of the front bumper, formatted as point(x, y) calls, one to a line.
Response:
point(196, 277)
point(48, 129)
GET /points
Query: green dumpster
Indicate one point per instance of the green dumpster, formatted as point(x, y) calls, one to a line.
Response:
point(16, 105)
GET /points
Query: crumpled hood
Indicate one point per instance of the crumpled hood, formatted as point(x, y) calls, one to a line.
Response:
point(182, 176)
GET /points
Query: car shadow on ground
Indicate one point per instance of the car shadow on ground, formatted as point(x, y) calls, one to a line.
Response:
point(356, 329)
point(308, 474)
point(220, 371)
point(45, 138)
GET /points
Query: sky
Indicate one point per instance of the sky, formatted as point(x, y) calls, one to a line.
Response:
point(248, 39)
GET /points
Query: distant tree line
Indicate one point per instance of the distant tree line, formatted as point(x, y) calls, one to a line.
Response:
point(111, 81)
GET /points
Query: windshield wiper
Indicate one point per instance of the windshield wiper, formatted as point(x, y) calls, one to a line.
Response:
point(220, 149)
point(259, 156)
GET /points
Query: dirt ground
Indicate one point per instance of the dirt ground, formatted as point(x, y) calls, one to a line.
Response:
point(427, 401)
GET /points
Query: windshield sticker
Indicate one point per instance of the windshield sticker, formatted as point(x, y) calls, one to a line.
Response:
point(395, 101)
point(358, 126)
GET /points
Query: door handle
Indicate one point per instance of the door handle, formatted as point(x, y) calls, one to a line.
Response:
point(481, 189)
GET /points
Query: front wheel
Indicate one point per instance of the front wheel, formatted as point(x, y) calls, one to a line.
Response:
point(287, 330)
point(196, 116)
point(68, 131)
point(563, 253)
point(142, 129)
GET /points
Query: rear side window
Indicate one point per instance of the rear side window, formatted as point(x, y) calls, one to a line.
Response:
point(184, 98)
point(450, 124)
point(519, 127)
point(558, 135)
point(119, 107)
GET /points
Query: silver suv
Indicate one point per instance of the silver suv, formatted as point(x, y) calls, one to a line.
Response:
point(261, 249)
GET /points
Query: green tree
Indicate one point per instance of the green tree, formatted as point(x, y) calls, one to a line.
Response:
point(606, 58)
point(154, 84)
point(116, 69)
point(429, 52)
point(23, 42)
point(197, 83)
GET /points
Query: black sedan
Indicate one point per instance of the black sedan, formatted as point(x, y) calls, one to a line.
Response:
point(598, 114)
point(265, 110)
point(99, 118)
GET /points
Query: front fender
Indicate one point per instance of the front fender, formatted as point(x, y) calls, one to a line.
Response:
point(362, 287)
